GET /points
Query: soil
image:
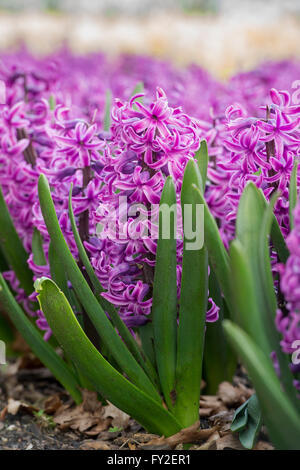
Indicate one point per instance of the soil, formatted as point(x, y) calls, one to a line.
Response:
point(24, 425)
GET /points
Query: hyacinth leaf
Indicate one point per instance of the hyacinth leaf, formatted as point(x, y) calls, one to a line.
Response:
point(240, 418)
point(270, 301)
point(3, 263)
point(293, 193)
point(193, 303)
point(138, 89)
point(279, 241)
point(109, 382)
point(218, 256)
point(6, 333)
point(164, 304)
point(202, 159)
point(12, 248)
point(58, 273)
point(37, 248)
point(254, 223)
point(216, 348)
point(146, 334)
point(248, 435)
point(106, 120)
point(105, 329)
point(281, 417)
point(35, 341)
point(248, 228)
point(248, 313)
point(107, 306)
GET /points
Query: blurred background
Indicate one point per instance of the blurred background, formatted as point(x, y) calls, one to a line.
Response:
point(223, 36)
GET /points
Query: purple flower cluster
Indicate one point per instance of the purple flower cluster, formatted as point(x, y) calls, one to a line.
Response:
point(147, 144)
point(288, 322)
point(52, 123)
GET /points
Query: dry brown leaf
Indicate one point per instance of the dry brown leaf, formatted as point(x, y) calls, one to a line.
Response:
point(119, 419)
point(3, 414)
point(262, 445)
point(143, 438)
point(14, 406)
point(185, 436)
point(87, 415)
point(229, 441)
point(52, 404)
point(232, 396)
point(223, 420)
point(210, 444)
point(211, 405)
point(94, 445)
point(99, 428)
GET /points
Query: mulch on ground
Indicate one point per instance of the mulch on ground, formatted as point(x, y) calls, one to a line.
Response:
point(37, 414)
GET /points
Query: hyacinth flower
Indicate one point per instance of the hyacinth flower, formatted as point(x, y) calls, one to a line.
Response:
point(148, 143)
point(46, 256)
point(173, 349)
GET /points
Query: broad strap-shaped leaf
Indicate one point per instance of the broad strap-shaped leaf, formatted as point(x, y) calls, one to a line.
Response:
point(37, 248)
point(218, 256)
point(293, 193)
point(106, 120)
point(249, 434)
point(105, 329)
point(202, 159)
point(164, 305)
point(254, 223)
point(279, 241)
point(3, 263)
point(138, 89)
point(107, 306)
point(12, 248)
point(279, 414)
point(270, 301)
point(247, 421)
point(244, 295)
point(219, 360)
point(39, 346)
point(110, 383)
point(193, 302)
point(240, 418)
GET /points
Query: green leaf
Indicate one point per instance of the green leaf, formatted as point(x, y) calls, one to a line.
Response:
point(37, 248)
point(279, 414)
point(218, 256)
point(105, 329)
point(35, 341)
point(248, 435)
point(193, 305)
point(6, 332)
point(164, 305)
point(279, 241)
point(202, 159)
point(219, 360)
point(254, 223)
point(3, 263)
point(106, 121)
point(110, 383)
point(244, 295)
point(12, 248)
point(139, 88)
point(240, 418)
point(293, 193)
point(107, 306)
point(268, 315)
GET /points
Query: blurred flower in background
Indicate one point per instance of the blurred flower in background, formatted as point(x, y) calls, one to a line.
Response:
point(224, 36)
